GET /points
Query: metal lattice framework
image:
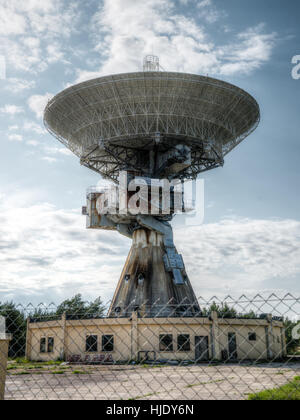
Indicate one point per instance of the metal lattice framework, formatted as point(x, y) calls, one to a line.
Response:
point(108, 121)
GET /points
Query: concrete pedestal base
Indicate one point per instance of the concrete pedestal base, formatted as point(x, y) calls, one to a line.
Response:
point(146, 285)
point(3, 364)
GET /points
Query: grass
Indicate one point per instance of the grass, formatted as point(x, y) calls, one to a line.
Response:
point(153, 366)
point(79, 372)
point(24, 364)
point(288, 392)
point(207, 383)
point(24, 361)
point(12, 367)
point(22, 367)
point(21, 373)
point(19, 361)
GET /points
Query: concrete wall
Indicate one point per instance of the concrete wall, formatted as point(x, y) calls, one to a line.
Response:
point(149, 331)
point(245, 349)
point(70, 338)
point(270, 342)
point(77, 331)
point(3, 365)
point(46, 330)
point(135, 335)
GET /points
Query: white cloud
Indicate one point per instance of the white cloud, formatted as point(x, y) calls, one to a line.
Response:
point(204, 3)
point(123, 31)
point(124, 27)
point(47, 254)
point(33, 143)
point(32, 32)
point(56, 54)
point(15, 137)
point(16, 85)
point(58, 151)
point(49, 159)
point(31, 42)
point(53, 17)
point(21, 57)
point(209, 12)
point(11, 23)
point(11, 110)
point(253, 49)
point(37, 103)
point(13, 128)
point(241, 256)
point(52, 153)
point(34, 127)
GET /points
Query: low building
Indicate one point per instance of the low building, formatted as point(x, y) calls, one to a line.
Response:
point(121, 340)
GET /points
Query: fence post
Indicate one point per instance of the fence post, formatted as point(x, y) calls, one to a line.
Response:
point(271, 353)
point(134, 336)
point(28, 340)
point(216, 352)
point(283, 342)
point(64, 335)
point(4, 341)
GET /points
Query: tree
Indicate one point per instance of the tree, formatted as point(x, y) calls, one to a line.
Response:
point(15, 325)
point(43, 314)
point(250, 315)
point(291, 343)
point(223, 310)
point(226, 312)
point(77, 308)
point(16, 319)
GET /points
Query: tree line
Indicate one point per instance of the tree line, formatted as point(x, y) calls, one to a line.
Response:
point(16, 318)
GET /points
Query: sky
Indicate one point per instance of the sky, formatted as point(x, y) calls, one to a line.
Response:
point(250, 240)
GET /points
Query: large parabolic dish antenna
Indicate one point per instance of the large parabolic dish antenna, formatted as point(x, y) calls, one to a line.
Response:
point(153, 126)
point(113, 123)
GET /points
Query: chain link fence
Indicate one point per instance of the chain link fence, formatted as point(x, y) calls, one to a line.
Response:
point(246, 348)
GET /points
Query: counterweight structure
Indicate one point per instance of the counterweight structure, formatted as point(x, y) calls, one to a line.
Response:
point(150, 125)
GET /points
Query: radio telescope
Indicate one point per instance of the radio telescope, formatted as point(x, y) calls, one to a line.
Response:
point(149, 125)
